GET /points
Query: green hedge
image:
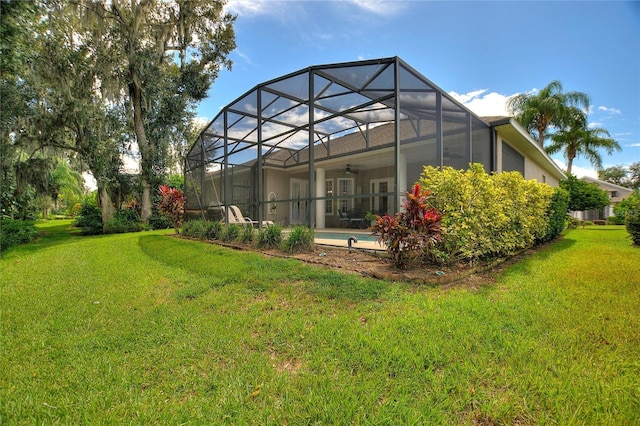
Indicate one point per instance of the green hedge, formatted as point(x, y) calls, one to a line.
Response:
point(487, 216)
point(556, 214)
point(15, 232)
point(632, 218)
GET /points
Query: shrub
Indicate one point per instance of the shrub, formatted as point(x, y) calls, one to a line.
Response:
point(230, 232)
point(191, 228)
point(159, 220)
point(74, 210)
point(556, 214)
point(486, 216)
point(300, 238)
point(632, 217)
point(573, 222)
point(90, 220)
point(615, 220)
point(412, 231)
point(247, 234)
point(620, 209)
point(126, 220)
point(14, 232)
point(270, 236)
point(212, 229)
point(632, 223)
point(202, 229)
point(172, 204)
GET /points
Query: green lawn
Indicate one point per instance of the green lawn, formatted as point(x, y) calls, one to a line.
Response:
point(146, 329)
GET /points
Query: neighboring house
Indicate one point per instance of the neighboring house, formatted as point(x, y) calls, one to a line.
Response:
point(616, 193)
point(326, 141)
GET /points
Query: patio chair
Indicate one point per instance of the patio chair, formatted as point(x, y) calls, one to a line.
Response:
point(344, 218)
point(236, 216)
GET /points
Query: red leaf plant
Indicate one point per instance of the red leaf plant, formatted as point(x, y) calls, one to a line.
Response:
point(411, 231)
point(172, 204)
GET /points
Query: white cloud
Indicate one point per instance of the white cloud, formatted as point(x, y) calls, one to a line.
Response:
point(482, 103)
point(379, 7)
point(466, 97)
point(243, 56)
point(577, 170)
point(635, 145)
point(594, 124)
point(609, 110)
point(247, 7)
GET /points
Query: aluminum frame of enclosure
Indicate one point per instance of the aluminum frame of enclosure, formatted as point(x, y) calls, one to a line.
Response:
point(331, 139)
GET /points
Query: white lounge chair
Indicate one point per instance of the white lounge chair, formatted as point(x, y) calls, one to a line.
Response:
point(236, 216)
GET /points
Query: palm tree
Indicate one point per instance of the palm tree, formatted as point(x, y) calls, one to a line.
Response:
point(577, 139)
point(548, 108)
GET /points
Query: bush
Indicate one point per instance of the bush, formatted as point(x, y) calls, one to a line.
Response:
point(573, 222)
point(247, 234)
point(202, 229)
point(412, 231)
point(15, 232)
point(126, 220)
point(620, 209)
point(90, 220)
point(231, 232)
point(212, 230)
point(556, 214)
point(270, 237)
point(191, 228)
point(300, 239)
point(172, 205)
point(159, 220)
point(615, 220)
point(632, 223)
point(632, 217)
point(486, 216)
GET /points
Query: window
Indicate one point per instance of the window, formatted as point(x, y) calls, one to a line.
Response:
point(614, 194)
point(345, 188)
point(512, 160)
point(328, 209)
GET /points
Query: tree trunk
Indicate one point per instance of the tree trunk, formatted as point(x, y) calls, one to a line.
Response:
point(146, 150)
point(571, 154)
point(569, 164)
point(107, 209)
point(541, 130)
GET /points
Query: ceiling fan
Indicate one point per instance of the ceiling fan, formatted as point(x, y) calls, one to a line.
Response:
point(349, 171)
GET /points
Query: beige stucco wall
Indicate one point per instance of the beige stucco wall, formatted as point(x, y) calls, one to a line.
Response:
point(533, 170)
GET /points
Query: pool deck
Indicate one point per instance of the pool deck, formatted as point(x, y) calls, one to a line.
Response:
point(361, 244)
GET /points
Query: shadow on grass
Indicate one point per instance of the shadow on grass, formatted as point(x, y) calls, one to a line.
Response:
point(523, 262)
point(219, 266)
point(49, 234)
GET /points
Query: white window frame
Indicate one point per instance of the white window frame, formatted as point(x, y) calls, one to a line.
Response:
point(345, 204)
point(328, 209)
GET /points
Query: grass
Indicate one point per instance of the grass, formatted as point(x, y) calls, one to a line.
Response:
point(144, 328)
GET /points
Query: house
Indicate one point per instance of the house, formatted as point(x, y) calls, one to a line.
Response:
point(616, 193)
point(343, 139)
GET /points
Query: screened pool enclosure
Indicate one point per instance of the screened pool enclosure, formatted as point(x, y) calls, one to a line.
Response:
point(327, 144)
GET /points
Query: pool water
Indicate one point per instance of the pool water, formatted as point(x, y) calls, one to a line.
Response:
point(344, 236)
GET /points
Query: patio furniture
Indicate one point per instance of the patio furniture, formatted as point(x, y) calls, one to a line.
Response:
point(235, 215)
point(354, 218)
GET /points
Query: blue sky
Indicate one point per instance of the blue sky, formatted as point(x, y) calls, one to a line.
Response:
point(481, 52)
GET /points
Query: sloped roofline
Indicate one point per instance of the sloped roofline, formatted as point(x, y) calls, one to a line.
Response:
point(522, 140)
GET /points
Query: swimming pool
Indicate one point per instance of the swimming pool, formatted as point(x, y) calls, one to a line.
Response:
point(344, 236)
